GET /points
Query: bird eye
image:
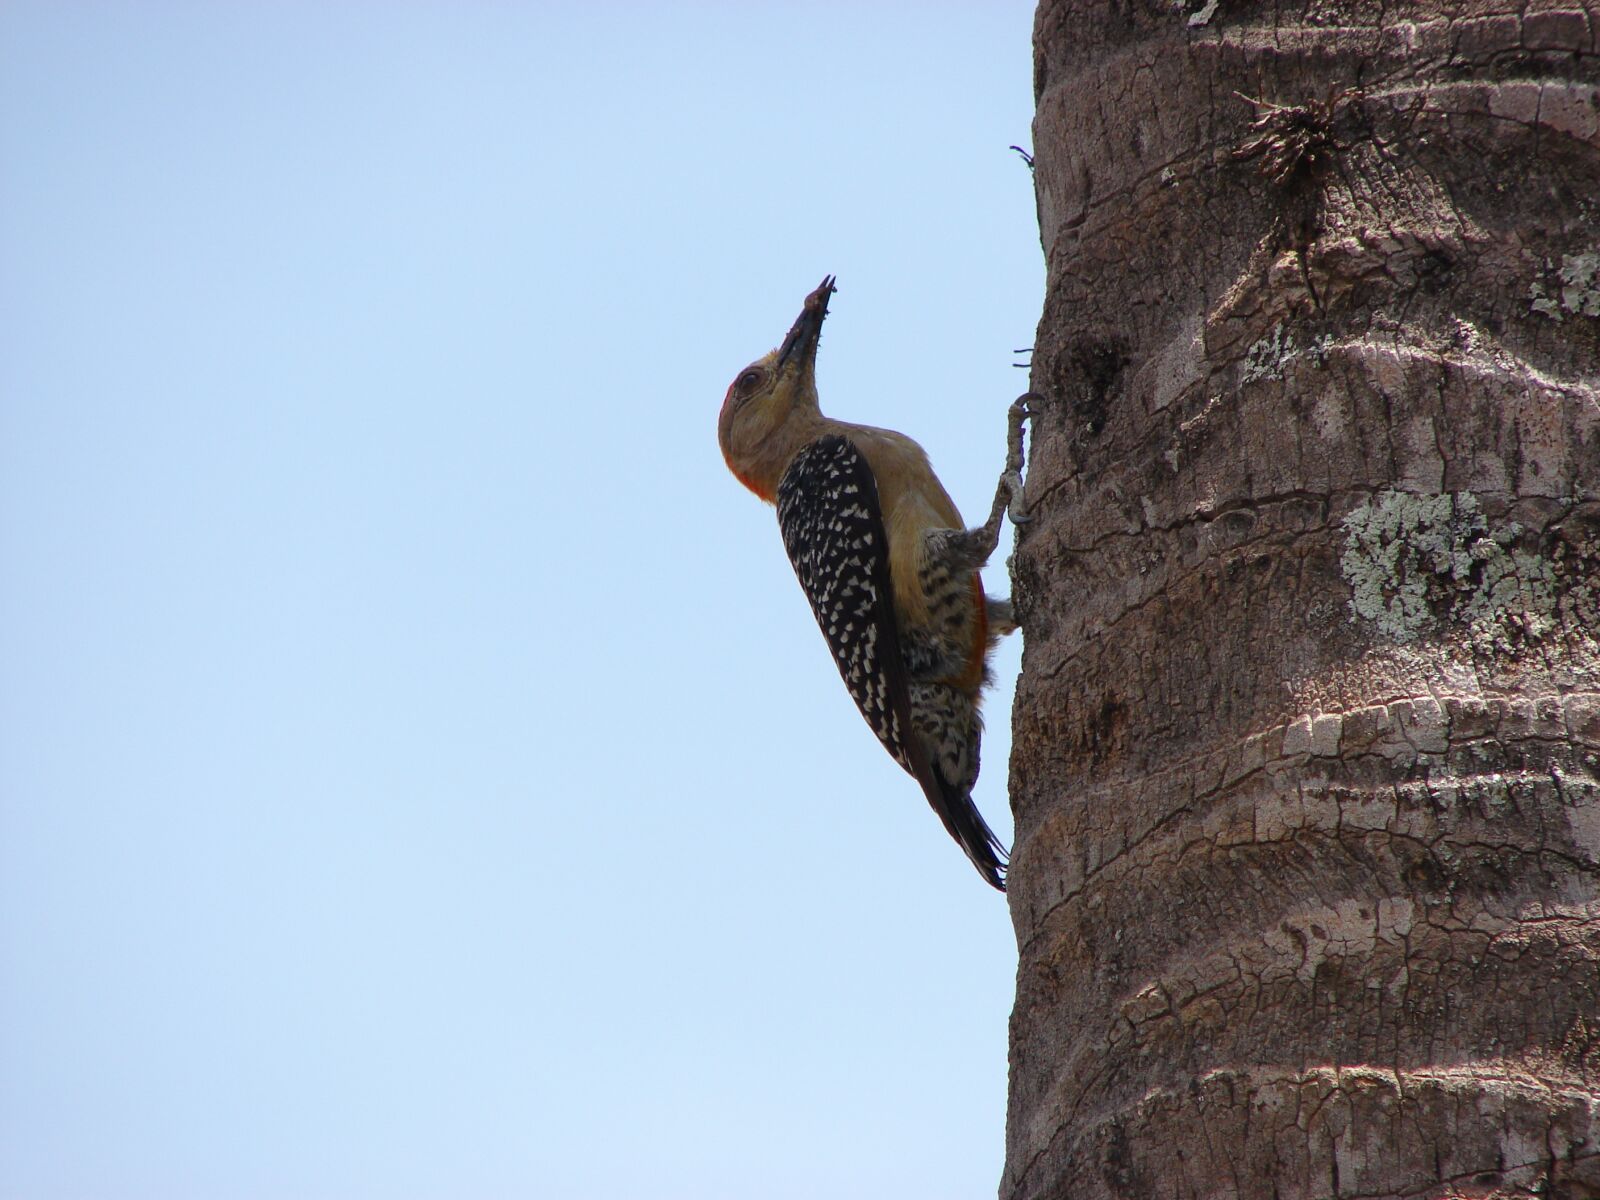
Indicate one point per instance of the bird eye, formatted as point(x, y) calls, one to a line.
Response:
point(748, 380)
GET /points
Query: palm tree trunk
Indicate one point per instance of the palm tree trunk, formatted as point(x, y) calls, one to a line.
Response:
point(1307, 740)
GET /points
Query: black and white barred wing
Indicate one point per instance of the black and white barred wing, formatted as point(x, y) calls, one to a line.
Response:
point(833, 530)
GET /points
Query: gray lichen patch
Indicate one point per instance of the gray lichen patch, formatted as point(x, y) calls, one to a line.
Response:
point(1413, 562)
point(1514, 600)
point(1269, 355)
point(1265, 358)
point(1574, 287)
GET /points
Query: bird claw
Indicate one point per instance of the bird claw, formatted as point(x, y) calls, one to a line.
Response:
point(1015, 508)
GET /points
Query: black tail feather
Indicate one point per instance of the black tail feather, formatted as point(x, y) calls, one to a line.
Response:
point(966, 824)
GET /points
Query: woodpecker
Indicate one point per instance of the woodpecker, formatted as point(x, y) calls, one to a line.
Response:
point(891, 572)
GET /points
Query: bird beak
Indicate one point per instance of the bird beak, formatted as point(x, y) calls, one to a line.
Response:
point(801, 344)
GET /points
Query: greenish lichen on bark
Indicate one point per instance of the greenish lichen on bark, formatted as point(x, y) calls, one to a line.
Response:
point(1572, 289)
point(1415, 563)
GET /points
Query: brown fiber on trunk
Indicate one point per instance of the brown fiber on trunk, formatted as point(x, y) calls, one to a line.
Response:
point(1307, 739)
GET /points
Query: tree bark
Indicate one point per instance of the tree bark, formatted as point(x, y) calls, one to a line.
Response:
point(1307, 739)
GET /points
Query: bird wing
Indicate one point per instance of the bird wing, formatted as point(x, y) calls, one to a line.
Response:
point(833, 530)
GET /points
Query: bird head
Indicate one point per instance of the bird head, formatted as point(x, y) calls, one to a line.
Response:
point(765, 396)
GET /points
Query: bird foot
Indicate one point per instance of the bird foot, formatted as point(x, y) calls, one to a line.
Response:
point(1011, 482)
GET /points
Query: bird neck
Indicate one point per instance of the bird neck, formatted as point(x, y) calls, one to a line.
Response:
point(766, 436)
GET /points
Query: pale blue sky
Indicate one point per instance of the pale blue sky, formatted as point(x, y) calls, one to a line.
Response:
point(420, 775)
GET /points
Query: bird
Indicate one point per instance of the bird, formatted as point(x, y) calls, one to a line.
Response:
point(889, 569)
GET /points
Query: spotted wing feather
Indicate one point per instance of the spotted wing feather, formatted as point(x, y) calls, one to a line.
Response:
point(833, 530)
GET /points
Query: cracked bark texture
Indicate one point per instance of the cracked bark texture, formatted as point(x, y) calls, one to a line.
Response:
point(1307, 739)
